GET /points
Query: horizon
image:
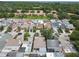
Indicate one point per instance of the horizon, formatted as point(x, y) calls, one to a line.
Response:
point(44, 1)
point(39, 1)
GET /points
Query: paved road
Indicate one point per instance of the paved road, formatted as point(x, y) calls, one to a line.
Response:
point(65, 42)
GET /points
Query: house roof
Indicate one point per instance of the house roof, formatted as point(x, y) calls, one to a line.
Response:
point(39, 42)
point(12, 42)
point(52, 43)
point(47, 25)
point(5, 36)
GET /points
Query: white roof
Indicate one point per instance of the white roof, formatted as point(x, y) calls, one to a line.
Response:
point(52, 43)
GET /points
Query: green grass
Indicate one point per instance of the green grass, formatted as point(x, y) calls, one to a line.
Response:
point(36, 17)
point(26, 35)
point(71, 54)
point(32, 17)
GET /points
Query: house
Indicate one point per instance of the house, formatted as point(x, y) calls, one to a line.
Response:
point(3, 39)
point(55, 23)
point(39, 24)
point(19, 11)
point(42, 24)
point(12, 44)
point(25, 48)
point(47, 24)
point(5, 22)
point(36, 12)
point(52, 45)
point(70, 26)
point(39, 44)
point(66, 24)
point(54, 49)
point(11, 54)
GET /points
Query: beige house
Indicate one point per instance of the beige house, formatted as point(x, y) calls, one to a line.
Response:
point(39, 44)
point(47, 25)
point(35, 12)
point(39, 26)
point(31, 12)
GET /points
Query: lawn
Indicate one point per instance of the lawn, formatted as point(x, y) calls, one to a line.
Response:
point(71, 54)
point(32, 17)
point(36, 17)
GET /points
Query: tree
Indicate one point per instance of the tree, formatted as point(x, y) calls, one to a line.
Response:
point(75, 23)
point(34, 29)
point(50, 16)
point(26, 35)
point(9, 29)
point(1, 28)
point(67, 30)
point(47, 33)
point(11, 15)
point(63, 15)
point(22, 16)
point(74, 36)
point(71, 54)
point(18, 28)
point(23, 11)
point(74, 17)
point(32, 11)
point(3, 15)
point(77, 12)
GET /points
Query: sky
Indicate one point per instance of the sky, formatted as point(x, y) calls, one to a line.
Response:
point(40, 0)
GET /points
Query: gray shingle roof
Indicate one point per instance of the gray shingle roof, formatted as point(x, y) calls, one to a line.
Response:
point(52, 43)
